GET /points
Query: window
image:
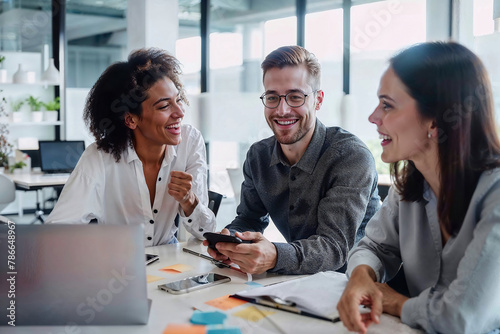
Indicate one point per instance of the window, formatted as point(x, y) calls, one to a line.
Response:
point(378, 30)
point(486, 28)
point(329, 52)
point(241, 35)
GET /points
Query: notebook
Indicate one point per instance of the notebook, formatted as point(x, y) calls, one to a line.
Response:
point(60, 156)
point(314, 296)
point(73, 275)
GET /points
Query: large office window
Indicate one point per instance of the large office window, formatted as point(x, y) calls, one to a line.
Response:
point(188, 46)
point(486, 41)
point(241, 35)
point(96, 35)
point(378, 31)
point(329, 51)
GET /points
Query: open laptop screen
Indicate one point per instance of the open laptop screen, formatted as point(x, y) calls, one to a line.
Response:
point(72, 275)
point(60, 156)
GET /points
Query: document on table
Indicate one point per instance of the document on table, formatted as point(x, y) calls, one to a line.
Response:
point(316, 295)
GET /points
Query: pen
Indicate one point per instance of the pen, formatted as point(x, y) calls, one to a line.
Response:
point(217, 263)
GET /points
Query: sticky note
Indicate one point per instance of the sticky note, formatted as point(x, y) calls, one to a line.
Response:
point(225, 302)
point(177, 268)
point(184, 329)
point(254, 284)
point(252, 313)
point(221, 329)
point(151, 278)
point(208, 318)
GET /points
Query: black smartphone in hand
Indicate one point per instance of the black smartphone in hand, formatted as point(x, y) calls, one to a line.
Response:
point(214, 238)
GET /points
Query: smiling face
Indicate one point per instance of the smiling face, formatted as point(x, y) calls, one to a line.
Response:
point(162, 113)
point(403, 131)
point(291, 125)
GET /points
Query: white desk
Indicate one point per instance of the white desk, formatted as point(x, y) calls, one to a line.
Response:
point(177, 309)
point(35, 181)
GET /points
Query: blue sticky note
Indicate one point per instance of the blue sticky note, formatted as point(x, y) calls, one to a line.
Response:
point(208, 318)
point(254, 284)
point(221, 329)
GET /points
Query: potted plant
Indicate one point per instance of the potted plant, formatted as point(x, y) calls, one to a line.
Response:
point(17, 115)
point(36, 108)
point(17, 167)
point(52, 107)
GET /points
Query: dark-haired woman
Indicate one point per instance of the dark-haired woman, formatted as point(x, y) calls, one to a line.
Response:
point(145, 165)
point(441, 220)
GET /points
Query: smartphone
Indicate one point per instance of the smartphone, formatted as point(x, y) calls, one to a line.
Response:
point(150, 258)
point(214, 238)
point(194, 283)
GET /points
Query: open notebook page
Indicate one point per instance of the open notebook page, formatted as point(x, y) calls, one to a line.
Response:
point(317, 294)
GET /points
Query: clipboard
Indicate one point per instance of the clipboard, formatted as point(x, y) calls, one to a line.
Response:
point(314, 296)
point(279, 304)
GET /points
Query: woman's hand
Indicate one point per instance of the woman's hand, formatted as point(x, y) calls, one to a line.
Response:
point(360, 290)
point(180, 189)
point(392, 301)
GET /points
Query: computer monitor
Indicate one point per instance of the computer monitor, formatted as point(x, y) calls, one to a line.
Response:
point(60, 156)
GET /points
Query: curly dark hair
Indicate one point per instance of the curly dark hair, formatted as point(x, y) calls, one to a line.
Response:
point(121, 89)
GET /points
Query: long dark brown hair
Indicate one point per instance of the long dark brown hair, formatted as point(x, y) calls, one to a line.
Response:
point(451, 87)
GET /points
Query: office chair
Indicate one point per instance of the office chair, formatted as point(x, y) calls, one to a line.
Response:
point(236, 178)
point(8, 193)
point(214, 200)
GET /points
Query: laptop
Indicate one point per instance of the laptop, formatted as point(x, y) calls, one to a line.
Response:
point(60, 157)
point(73, 275)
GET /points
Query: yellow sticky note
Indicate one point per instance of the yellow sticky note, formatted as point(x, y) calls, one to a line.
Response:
point(252, 313)
point(184, 329)
point(177, 268)
point(151, 278)
point(225, 302)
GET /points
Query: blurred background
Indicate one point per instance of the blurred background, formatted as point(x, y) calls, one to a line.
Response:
point(221, 44)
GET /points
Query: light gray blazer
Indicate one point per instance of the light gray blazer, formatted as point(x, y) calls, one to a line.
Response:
point(455, 289)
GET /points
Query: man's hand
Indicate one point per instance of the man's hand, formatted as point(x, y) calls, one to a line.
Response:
point(180, 189)
point(391, 301)
point(254, 258)
point(360, 290)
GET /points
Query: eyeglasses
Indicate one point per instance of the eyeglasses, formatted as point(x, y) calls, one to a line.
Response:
point(293, 99)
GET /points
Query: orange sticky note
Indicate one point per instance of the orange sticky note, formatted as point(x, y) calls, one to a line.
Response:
point(177, 268)
point(151, 278)
point(184, 329)
point(225, 302)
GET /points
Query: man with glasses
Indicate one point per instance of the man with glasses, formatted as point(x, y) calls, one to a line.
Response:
point(318, 184)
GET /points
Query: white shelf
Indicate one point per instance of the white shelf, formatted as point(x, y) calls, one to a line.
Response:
point(34, 123)
point(38, 83)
